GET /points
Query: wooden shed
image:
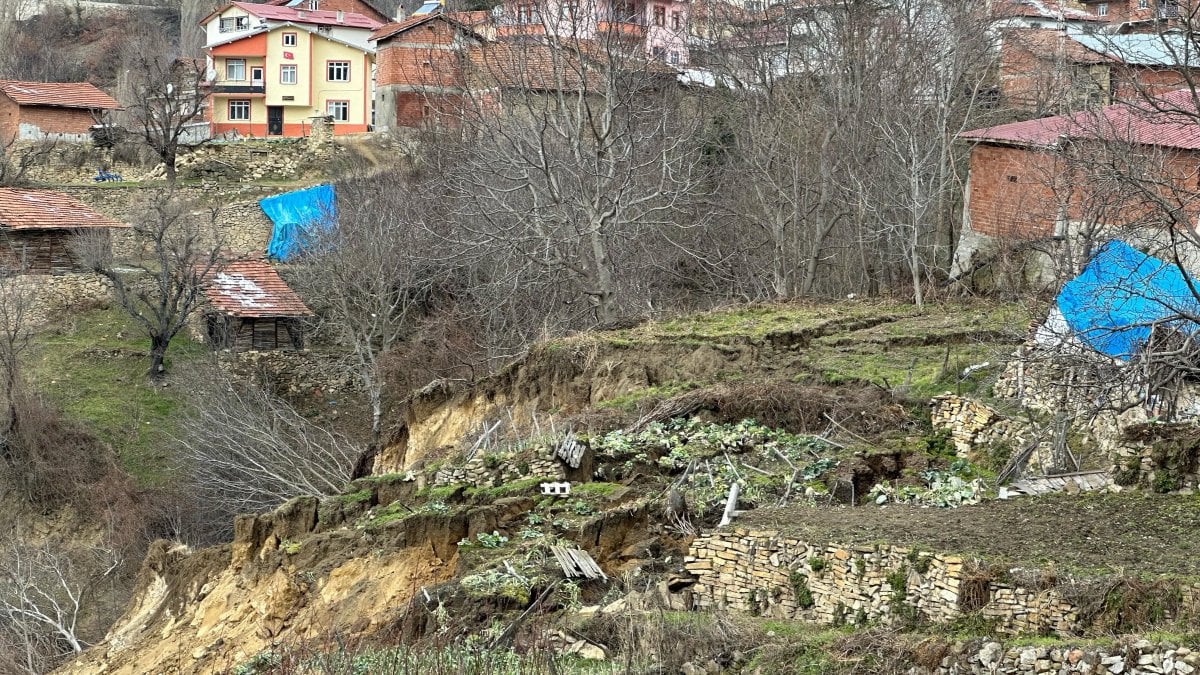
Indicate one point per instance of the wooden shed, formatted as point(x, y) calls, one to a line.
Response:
point(250, 307)
point(38, 229)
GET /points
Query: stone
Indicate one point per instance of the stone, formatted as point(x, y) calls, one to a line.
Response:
point(199, 653)
point(1183, 668)
point(690, 668)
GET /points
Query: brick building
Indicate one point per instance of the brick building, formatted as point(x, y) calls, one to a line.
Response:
point(58, 110)
point(1045, 71)
point(1049, 177)
point(250, 307)
point(39, 229)
point(433, 68)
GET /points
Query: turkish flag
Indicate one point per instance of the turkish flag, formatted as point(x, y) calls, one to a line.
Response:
point(289, 56)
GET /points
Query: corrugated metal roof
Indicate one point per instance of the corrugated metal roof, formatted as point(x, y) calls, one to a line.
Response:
point(1049, 44)
point(58, 94)
point(1168, 49)
point(252, 289)
point(1169, 122)
point(22, 209)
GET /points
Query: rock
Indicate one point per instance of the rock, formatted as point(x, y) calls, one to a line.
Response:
point(690, 668)
point(199, 653)
point(586, 650)
point(590, 610)
point(1074, 656)
point(617, 606)
point(1183, 668)
point(990, 653)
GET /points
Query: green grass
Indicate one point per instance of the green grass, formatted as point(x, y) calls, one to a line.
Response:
point(93, 365)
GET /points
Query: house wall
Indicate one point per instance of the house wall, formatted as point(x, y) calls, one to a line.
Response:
point(420, 76)
point(1029, 193)
point(1035, 83)
point(1132, 82)
point(9, 120)
point(1011, 192)
point(312, 92)
point(38, 252)
point(249, 334)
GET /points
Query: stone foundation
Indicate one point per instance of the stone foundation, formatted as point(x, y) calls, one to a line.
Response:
point(991, 658)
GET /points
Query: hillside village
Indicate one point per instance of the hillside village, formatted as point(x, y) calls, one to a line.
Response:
point(600, 336)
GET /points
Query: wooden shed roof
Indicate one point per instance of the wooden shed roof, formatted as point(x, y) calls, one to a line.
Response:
point(252, 289)
point(25, 209)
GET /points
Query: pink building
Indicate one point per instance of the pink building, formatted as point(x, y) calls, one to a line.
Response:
point(657, 28)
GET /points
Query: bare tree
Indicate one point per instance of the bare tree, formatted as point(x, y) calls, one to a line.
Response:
point(373, 275)
point(44, 595)
point(249, 451)
point(165, 288)
point(16, 304)
point(165, 95)
point(573, 155)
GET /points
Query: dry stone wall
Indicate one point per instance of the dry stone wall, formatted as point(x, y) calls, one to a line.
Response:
point(993, 658)
point(763, 572)
point(485, 470)
point(240, 222)
point(58, 294)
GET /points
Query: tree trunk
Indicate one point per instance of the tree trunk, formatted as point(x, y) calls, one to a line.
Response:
point(158, 353)
point(169, 167)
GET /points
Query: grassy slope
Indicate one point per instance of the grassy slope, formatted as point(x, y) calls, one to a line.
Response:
point(93, 364)
point(890, 344)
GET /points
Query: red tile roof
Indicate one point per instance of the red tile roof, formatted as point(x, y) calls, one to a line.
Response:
point(1043, 9)
point(58, 94)
point(22, 209)
point(1168, 122)
point(460, 19)
point(298, 15)
point(252, 288)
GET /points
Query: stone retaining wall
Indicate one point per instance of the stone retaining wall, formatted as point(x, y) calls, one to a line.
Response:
point(55, 295)
point(993, 658)
point(762, 572)
point(240, 223)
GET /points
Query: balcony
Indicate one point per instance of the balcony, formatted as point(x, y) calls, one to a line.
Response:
point(1168, 9)
point(255, 87)
point(623, 24)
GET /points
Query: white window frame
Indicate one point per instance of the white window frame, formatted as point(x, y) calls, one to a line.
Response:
point(229, 64)
point(290, 39)
point(331, 108)
point(283, 72)
point(1102, 9)
point(242, 104)
point(233, 24)
point(330, 72)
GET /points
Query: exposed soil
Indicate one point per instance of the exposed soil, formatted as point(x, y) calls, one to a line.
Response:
point(1129, 533)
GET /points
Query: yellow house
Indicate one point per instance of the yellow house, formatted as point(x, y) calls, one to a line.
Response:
point(273, 69)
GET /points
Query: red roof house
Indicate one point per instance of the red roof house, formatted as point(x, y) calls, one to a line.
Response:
point(63, 110)
point(250, 307)
point(1047, 177)
point(39, 229)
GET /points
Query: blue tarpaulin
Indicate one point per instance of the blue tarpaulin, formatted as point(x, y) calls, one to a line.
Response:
point(1111, 305)
point(298, 215)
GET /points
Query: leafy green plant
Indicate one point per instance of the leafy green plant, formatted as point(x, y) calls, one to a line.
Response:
point(816, 564)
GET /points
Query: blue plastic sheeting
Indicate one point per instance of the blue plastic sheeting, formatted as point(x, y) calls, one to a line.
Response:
point(1112, 303)
point(297, 216)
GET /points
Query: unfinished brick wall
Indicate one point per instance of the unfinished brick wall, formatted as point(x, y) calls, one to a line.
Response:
point(52, 120)
point(9, 117)
point(1012, 191)
point(420, 75)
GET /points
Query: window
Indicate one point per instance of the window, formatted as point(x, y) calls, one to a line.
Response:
point(528, 13)
point(287, 74)
point(338, 71)
point(1102, 9)
point(1143, 4)
point(676, 21)
point(313, 4)
point(660, 15)
point(239, 111)
point(235, 69)
point(289, 39)
point(233, 24)
point(673, 58)
point(338, 110)
point(569, 9)
point(256, 75)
